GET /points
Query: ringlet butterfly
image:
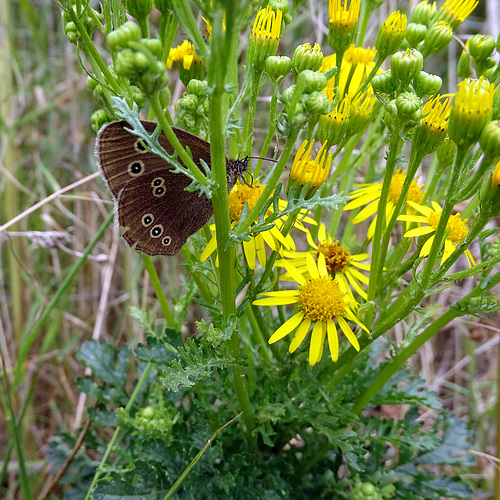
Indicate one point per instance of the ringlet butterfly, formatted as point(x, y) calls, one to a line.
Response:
point(150, 201)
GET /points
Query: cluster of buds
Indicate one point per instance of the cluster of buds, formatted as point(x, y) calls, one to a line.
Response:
point(137, 59)
point(192, 107)
point(478, 52)
point(305, 100)
point(99, 118)
point(87, 20)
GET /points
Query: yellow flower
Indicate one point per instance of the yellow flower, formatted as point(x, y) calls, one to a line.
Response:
point(431, 216)
point(255, 248)
point(434, 126)
point(370, 193)
point(356, 66)
point(340, 263)
point(456, 11)
point(306, 170)
point(320, 300)
point(471, 110)
point(265, 35)
point(342, 23)
point(333, 125)
point(184, 55)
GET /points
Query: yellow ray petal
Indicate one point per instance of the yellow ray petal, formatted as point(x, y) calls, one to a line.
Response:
point(275, 301)
point(300, 334)
point(287, 327)
point(311, 267)
point(419, 231)
point(249, 251)
point(333, 340)
point(317, 340)
point(348, 332)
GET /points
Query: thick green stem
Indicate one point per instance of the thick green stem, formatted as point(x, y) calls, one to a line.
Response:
point(226, 251)
point(250, 117)
point(395, 146)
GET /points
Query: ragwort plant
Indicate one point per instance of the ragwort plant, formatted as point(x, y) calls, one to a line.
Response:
point(276, 395)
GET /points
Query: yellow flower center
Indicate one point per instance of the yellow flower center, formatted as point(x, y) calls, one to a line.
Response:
point(241, 194)
point(415, 193)
point(336, 256)
point(321, 299)
point(457, 227)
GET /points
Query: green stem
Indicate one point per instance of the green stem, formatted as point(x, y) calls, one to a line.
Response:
point(168, 29)
point(395, 146)
point(160, 295)
point(172, 138)
point(226, 250)
point(460, 155)
point(250, 117)
point(116, 434)
point(437, 325)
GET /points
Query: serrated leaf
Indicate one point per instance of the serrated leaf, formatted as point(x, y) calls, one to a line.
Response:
point(157, 351)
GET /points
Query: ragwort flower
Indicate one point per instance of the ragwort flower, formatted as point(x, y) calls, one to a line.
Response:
point(190, 65)
point(431, 216)
point(305, 170)
point(321, 301)
point(370, 193)
point(340, 262)
point(255, 248)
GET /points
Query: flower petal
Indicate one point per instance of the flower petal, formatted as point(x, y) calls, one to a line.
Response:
point(348, 332)
point(312, 267)
point(317, 341)
point(299, 278)
point(300, 334)
point(427, 247)
point(333, 340)
point(419, 231)
point(276, 301)
point(249, 251)
point(368, 211)
point(209, 249)
point(287, 327)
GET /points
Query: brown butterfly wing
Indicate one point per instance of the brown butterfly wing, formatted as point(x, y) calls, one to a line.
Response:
point(121, 156)
point(159, 214)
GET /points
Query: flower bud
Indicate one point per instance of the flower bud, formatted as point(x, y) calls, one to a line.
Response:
point(415, 33)
point(463, 67)
point(438, 37)
point(265, 36)
point(332, 126)
point(490, 194)
point(431, 133)
point(282, 5)
point(407, 103)
point(426, 84)
point(391, 34)
point(471, 110)
point(384, 83)
point(277, 67)
point(138, 96)
point(422, 12)
point(153, 45)
point(481, 46)
point(119, 38)
point(312, 81)
point(99, 118)
point(307, 57)
point(306, 170)
point(317, 103)
point(342, 24)
point(406, 64)
point(490, 139)
point(197, 87)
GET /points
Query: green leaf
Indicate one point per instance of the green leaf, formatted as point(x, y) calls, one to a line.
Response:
point(158, 350)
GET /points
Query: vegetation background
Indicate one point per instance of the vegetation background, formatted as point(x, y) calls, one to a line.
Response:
point(46, 146)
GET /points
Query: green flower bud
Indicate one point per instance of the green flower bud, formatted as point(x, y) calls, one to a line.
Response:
point(99, 118)
point(188, 102)
point(307, 57)
point(415, 33)
point(426, 84)
point(333, 126)
point(71, 32)
point(463, 67)
point(282, 5)
point(140, 9)
point(153, 45)
point(406, 64)
point(277, 67)
point(138, 96)
point(91, 82)
point(490, 139)
point(317, 103)
point(287, 94)
point(423, 12)
point(125, 62)
point(119, 38)
point(384, 83)
point(391, 34)
point(438, 37)
point(141, 61)
point(481, 46)
point(197, 87)
point(312, 81)
point(408, 103)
